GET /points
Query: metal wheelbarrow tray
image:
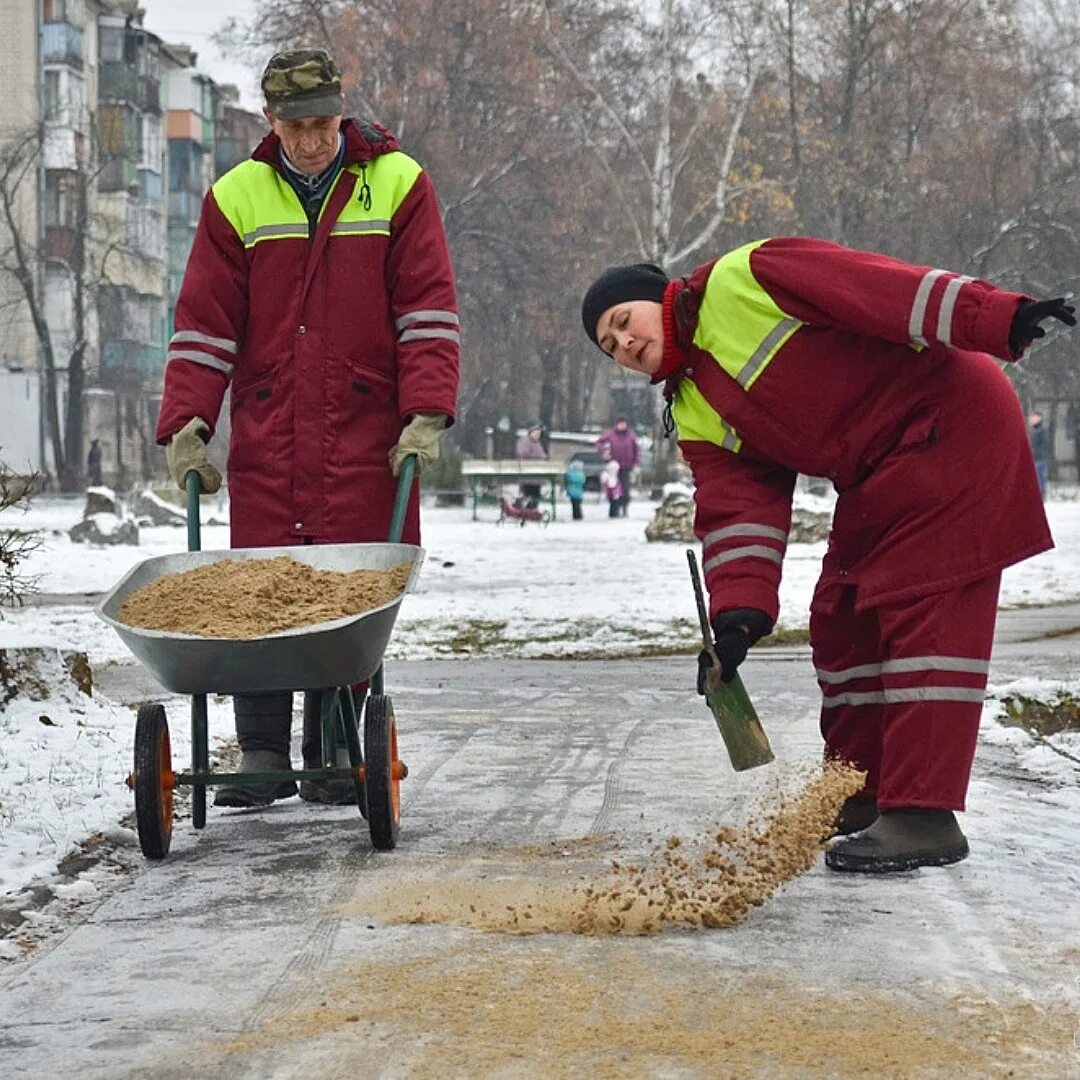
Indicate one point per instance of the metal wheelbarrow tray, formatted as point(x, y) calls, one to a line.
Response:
point(326, 654)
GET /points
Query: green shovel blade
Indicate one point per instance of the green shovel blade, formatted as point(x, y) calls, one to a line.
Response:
point(744, 737)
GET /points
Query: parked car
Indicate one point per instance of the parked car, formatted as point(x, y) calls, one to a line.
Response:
point(592, 463)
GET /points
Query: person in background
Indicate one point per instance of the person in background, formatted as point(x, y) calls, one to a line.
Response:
point(794, 355)
point(622, 442)
point(93, 463)
point(1039, 438)
point(574, 483)
point(319, 288)
point(610, 483)
point(530, 448)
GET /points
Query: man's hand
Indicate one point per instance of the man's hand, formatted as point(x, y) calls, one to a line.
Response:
point(1025, 325)
point(420, 437)
point(733, 634)
point(186, 451)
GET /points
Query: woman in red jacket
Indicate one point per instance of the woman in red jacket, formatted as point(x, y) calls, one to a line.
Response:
point(795, 355)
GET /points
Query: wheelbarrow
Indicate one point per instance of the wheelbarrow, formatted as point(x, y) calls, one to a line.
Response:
point(327, 657)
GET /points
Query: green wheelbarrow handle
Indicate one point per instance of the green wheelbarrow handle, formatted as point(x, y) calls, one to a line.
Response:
point(397, 519)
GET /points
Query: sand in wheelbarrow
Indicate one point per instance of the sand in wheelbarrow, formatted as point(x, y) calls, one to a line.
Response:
point(249, 598)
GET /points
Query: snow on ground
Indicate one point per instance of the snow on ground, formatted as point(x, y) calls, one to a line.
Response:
point(585, 589)
point(582, 589)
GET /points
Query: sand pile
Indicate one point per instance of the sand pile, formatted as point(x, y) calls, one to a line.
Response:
point(246, 598)
point(711, 881)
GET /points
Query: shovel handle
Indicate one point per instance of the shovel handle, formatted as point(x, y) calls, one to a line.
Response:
point(699, 597)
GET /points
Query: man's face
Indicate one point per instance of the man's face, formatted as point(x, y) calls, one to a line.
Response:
point(310, 141)
point(632, 334)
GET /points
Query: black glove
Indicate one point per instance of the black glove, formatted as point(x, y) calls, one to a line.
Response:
point(1025, 325)
point(733, 634)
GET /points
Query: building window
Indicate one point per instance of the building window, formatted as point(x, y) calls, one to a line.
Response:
point(73, 12)
point(52, 95)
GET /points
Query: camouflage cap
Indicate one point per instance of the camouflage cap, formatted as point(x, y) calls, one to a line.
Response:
point(302, 82)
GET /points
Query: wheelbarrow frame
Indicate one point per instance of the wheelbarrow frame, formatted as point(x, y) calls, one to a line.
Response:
point(375, 767)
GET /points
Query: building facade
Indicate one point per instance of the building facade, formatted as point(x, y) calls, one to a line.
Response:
point(122, 135)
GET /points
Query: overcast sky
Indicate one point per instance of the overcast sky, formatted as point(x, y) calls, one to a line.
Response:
point(191, 22)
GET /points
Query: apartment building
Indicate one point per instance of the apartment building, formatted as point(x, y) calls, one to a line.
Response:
point(124, 137)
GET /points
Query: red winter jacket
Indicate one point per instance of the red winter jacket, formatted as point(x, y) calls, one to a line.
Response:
point(330, 338)
point(874, 374)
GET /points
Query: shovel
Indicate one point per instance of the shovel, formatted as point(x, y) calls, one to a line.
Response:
point(744, 737)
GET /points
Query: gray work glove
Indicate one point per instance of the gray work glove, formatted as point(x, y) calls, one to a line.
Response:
point(186, 451)
point(420, 437)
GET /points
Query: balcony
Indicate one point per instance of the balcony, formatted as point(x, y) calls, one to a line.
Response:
point(62, 43)
point(183, 124)
point(150, 187)
point(118, 174)
point(185, 206)
point(122, 83)
point(60, 243)
point(63, 148)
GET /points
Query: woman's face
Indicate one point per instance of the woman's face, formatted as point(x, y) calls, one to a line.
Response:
point(632, 334)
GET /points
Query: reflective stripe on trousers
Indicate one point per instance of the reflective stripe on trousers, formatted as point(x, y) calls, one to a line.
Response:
point(902, 690)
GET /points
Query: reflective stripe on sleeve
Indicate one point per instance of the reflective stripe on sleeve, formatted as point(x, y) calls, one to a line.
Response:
point(200, 358)
point(918, 308)
point(430, 332)
point(195, 338)
point(948, 303)
point(426, 316)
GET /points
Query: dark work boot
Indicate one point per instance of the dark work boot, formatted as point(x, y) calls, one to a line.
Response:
point(328, 792)
point(855, 815)
point(901, 840)
point(263, 722)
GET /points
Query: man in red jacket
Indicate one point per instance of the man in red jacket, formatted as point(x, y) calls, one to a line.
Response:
point(794, 355)
point(319, 290)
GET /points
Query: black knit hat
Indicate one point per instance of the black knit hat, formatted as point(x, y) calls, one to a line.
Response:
point(617, 285)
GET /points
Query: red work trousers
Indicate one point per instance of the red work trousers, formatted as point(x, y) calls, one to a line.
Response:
point(903, 689)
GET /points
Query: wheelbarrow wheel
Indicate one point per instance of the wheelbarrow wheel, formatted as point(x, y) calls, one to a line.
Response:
point(383, 772)
point(153, 781)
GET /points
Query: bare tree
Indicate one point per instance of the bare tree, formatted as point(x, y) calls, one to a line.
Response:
point(74, 255)
point(663, 111)
point(15, 544)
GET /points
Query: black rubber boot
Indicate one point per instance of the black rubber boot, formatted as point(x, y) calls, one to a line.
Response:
point(855, 815)
point(263, 722)
point(328, 792)
point(901, 840)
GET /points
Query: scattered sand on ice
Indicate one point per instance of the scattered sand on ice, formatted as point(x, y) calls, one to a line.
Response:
point(528, 1008)
point(711, 881)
